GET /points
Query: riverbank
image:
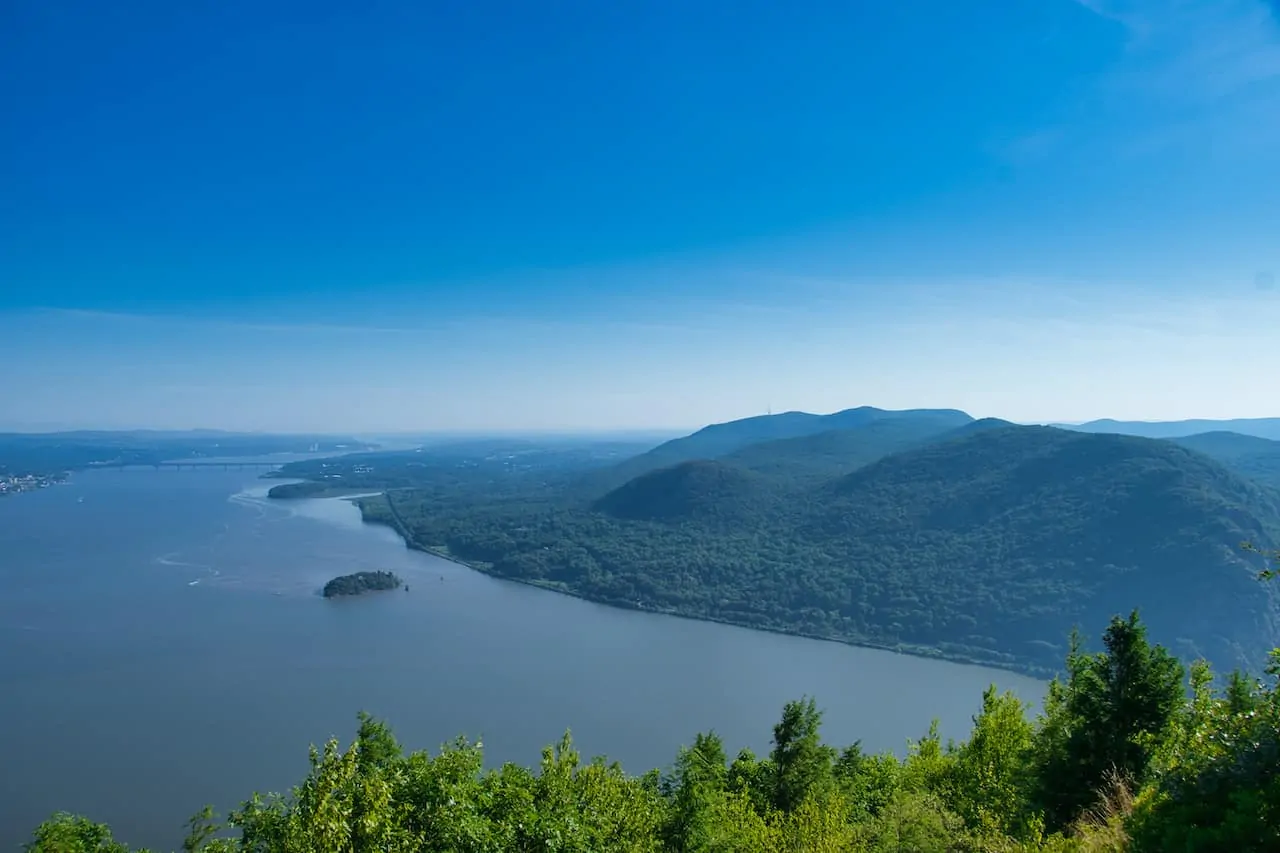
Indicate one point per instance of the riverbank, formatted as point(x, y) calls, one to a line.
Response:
point(396, 523)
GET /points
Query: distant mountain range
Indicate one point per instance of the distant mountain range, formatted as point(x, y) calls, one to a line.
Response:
point(923, 530)
point(1260, 427)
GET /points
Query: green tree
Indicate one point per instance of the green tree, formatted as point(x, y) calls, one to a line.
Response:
point(930, 765)
point(1216, 787)
point(378, 747)
point(868, 782)
point(699, 782)
point(752, 778)
point(802, 764)
point(200, 828)
point(990, 779)
point(583, 809)
point(732, 824)
point(66, 833)
point(1109, 716)
point(1241, 693)
point(915, 821)
point(443, 796)
point(336, 808)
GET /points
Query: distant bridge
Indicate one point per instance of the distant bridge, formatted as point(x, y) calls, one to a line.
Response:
point(193, 463)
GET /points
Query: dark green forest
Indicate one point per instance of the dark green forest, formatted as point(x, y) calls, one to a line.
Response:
point(1131, 752)
point(986, 542)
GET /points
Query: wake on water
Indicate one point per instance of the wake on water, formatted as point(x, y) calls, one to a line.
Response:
point(168, 560)
point(265, 509)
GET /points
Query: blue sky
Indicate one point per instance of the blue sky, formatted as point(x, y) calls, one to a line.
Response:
point(598, 215)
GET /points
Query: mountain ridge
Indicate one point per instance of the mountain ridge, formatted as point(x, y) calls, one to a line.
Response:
point(717, 440)
point(987, 542)
point(823, 454)
point(1259, 427)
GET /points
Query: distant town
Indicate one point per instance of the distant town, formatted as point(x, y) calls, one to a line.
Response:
point(30, 461)
point(11, 484)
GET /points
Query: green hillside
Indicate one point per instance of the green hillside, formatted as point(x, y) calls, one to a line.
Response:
point(1046, 524)
point(812, 458)
point(1253, 457)
point(705, 491)
point(989, 544)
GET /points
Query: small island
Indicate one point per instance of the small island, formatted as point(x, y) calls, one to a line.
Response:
point(360, 583)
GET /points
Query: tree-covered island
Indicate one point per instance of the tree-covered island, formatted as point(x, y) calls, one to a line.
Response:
point(360, 583)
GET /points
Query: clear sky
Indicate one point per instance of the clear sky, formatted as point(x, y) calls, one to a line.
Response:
point(580, 214)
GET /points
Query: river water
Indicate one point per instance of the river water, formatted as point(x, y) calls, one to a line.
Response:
point(163, 645)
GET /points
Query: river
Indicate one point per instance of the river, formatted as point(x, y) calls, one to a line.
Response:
point(163, 645)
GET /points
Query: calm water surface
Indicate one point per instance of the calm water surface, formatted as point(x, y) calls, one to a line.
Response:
point(163, 645)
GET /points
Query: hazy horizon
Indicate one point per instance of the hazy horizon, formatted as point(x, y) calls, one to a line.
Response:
point(619, 433)
point(589, 218)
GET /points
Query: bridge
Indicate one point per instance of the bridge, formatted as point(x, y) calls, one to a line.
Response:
point(178, 465)
point(225, 466)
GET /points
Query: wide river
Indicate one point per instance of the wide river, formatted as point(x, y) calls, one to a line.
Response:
point(163, 645)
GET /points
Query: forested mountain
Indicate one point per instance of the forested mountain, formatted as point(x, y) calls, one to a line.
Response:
point(827, 454)
point(988, 542)
point(706, 491)
point(718, 440)
point(1253, 457)
point(1051, 524)
point(1260, 427)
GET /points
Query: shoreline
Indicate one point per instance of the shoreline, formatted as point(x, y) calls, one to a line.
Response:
point(397, 524)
